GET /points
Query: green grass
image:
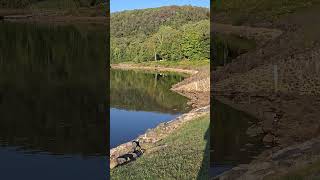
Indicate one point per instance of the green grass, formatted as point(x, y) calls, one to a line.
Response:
point(242, 11)
point(181, 159)
point(185, 64)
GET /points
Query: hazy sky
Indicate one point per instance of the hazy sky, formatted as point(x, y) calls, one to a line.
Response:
point(120, 5)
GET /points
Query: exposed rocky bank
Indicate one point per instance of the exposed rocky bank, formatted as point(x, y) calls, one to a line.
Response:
point(279, 83)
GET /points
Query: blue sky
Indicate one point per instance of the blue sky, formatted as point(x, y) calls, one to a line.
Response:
point(120, 5)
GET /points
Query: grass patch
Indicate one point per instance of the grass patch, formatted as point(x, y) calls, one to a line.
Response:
point(181, 159)
point(184, 64)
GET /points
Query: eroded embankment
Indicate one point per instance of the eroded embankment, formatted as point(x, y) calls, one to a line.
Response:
point(197, 85)
point(278, 83)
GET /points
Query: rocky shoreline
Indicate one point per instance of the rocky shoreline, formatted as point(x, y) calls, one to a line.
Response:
point(191, 87)
point(288, 110)
point(285, 124)
point(275, 163)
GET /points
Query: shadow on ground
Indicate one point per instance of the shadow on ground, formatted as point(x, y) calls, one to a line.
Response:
point(204, 169)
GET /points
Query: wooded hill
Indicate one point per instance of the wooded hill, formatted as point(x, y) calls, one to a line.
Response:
point(49, 3)
point(167, 33)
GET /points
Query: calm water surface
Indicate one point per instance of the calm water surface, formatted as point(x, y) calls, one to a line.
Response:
point(52, 101)
point(140, 101)
point(229, 143)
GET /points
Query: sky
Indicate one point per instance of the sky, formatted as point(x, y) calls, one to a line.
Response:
point(121, 5)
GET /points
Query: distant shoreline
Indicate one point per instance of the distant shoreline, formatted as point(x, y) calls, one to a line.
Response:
point(153, 68)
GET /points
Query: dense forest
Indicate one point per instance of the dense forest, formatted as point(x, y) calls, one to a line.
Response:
point(165, 33)
point(48, 3)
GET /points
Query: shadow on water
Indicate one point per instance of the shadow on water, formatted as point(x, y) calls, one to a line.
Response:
point(204, 169)
point(227, 47)
point(230, 145)
point(52, 101)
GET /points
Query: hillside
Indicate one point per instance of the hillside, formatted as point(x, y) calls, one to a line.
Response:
point(57, 10)
point(148, 21)
point(49, 3)
point(165, 33)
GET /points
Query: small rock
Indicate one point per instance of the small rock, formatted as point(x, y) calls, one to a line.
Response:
point(113, 163)
point(121, 160)
point(249, 144)
point(254, 131)
point(268, 138)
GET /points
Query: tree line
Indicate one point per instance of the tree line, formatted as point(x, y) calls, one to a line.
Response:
point(28, 3)
point(166, 33)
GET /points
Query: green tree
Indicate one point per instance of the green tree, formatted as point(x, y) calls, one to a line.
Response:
point(195, 42)
point(156, 33)
point(168, 43)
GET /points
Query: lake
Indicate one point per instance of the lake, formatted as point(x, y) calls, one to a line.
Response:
point(228, 47)
point(230, 145)
point(53, 94)
point(141, 100)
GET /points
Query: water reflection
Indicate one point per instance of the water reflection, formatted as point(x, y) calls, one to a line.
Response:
point(230, 145)
point(52, 97)
point(140, 101)
point(228, 47)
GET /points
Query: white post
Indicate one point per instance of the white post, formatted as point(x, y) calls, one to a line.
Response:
point(275, 77)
